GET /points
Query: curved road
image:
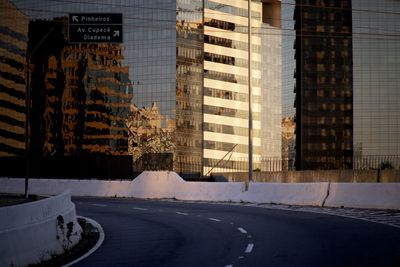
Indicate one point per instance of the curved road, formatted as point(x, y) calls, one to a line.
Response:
point(161, 233)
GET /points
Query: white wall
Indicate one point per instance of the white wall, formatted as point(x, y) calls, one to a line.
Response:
point(157, 185)
point(28, 232)
point(364, 195)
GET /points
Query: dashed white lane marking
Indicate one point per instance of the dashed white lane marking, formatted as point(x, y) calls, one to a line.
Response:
point(242, 230)
point(139, 209)
point(249, 248)
point(99, 205)
point(182, 213)
point(213, 219)
point(230, 265)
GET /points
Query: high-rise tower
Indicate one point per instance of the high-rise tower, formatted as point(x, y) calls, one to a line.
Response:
point(324, 84)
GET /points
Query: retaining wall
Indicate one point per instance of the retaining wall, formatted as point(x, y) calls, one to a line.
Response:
point(33, 231)
point(157, 185)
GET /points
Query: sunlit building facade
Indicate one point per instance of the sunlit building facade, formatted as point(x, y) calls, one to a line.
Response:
point(210, 101)
point(177, 88)
point(226, 93)
point(13, 46)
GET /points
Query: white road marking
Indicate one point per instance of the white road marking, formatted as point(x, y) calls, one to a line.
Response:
point(99, 205)
point(229, 265)
point(213, 219)
point(93, 249)
point(249, 236)
point(242, 230)
point(182, 213)
point(249, 248)
point(240, 257)
point(139, 209)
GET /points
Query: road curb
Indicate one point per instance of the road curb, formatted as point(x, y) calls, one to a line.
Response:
point(93, 249)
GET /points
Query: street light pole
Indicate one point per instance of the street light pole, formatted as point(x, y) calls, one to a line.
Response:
point(27, 124)
point(250, 178)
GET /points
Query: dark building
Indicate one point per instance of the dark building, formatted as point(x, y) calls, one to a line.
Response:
point(324, 84)
point(81, 97)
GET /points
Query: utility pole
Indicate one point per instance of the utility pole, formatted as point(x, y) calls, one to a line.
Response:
point(250, 179)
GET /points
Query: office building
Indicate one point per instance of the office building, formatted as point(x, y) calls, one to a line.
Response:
point(210, 100)
point(346, 83)
point(376, 68)
point(271, 100)
point(324, 84)
point(13, 46)
point(288, 143)
point(80, 94)
point(184, 65)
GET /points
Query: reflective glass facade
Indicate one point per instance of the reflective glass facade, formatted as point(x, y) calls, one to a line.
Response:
point(376, 68)
point(324, 84)
point(175, 91)
point(271, 114)
point(13, 45)
point(226, 90)
point(347, 97)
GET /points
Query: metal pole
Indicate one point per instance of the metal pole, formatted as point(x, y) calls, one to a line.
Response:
point(250, 99)
point(27, 132)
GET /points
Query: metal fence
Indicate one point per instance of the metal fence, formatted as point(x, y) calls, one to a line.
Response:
point(196, 169)
point(376, 162)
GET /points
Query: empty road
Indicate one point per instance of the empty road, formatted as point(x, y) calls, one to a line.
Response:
point(163, 233)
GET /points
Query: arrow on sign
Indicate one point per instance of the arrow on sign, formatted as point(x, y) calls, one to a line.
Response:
point(116, 33)
point(75, 18)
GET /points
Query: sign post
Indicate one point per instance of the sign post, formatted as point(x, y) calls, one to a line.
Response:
point(95, 28)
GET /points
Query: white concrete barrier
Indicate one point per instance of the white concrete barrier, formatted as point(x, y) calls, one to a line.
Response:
point(34, 231)
point(155, 184)
point(364, 195)
point(203, 191)
point(77, 187)
point(170, 185)
point(308, 194)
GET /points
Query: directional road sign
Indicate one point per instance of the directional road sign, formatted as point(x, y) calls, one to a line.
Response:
point(95, 28)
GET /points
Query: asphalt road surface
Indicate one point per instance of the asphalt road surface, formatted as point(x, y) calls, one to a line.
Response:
point(165, 233)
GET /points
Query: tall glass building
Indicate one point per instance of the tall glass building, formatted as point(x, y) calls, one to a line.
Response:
point(347, 95)
point(324, 84)
point(175, 91)
point(271, 93)
point(376, 86)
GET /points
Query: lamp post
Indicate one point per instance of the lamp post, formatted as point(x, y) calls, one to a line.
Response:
point(250, 178)
point(27, 125)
